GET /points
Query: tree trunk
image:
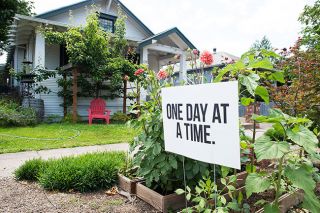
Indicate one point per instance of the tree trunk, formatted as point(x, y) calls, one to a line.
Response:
point(74, 95)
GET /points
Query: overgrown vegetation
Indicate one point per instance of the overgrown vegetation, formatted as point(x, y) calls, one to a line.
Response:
point(12, 114)
point(81, 173)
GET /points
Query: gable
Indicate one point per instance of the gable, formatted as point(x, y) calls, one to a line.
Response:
point(136, 30)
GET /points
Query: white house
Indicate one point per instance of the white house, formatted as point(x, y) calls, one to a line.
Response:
point(28, 44)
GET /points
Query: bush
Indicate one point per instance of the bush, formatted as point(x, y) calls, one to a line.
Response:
point(120, 117)
point(82, 173)
point(11, 114)
point(30, 170)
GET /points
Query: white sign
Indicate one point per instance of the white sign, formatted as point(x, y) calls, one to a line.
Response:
point(202, 122)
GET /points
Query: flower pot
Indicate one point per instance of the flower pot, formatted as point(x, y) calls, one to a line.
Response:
point(163, 203)
point(127, 184)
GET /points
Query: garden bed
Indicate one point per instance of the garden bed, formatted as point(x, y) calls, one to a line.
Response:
point(163, 203)
point(127, 184)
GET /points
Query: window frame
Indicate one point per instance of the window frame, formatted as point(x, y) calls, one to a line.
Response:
point(109, 17)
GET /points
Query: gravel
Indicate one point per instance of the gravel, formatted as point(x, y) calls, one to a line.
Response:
point(18, 196)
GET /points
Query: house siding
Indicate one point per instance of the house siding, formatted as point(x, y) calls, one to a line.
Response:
point(133, 30)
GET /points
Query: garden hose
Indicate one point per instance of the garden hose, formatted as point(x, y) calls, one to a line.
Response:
point(77, 134)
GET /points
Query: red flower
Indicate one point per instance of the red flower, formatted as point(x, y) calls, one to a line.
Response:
point(195, 52)
point(162, 74)
point(206, 57)
point(139, 72)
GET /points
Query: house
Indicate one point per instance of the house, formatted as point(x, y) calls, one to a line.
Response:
point(28, 44)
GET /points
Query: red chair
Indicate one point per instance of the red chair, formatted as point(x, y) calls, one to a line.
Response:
point(98, 110)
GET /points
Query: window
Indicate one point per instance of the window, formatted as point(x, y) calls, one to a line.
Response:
point(107, 22)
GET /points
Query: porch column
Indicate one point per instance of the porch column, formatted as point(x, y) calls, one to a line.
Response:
point(183, 68)
point(74, 95)
point(39, 50)
point(144, 57)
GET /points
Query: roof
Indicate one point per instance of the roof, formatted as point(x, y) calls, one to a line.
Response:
point(165, 34)
point(87, 2)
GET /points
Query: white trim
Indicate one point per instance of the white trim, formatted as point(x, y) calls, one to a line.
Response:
point(164, 48)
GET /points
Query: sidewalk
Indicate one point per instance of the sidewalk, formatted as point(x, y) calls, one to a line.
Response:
point(11, 161)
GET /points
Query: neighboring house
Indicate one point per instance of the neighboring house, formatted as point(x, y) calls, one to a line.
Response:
point(28, 44)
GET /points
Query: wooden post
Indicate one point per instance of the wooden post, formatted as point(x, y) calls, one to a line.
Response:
point(124, 106)
point(65, 95)
point(74, 94)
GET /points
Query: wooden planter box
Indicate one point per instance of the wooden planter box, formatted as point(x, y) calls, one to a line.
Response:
point(288, 200)
point(128, 185)
point(163, 203)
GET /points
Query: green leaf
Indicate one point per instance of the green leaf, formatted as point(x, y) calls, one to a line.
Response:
point(303, 137)
point(311, 202)
point(300, 178)
point(271, 208)
point(248, 168)
point(278, 76)
point(225, 171)
point(263, 93)
point(250, 82)
point(173, 162)
point(256, 183)
point(264, 63)
point(202, 203)
point(179, 191)
point(156, 149)
point(265, 148)
point(246, 101)
point(223, 181)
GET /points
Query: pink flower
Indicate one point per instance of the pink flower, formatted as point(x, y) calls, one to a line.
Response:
point(139, 72)
point(206, 57)
point(195, 52)
point(162, 74)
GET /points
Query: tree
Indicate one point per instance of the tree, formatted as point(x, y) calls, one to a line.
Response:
point(8, 8)
point(300, 95)
point(310, 18)
point(264, 43)
point(99, 54)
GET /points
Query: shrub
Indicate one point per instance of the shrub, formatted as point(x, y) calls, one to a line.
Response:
point(82, 173)
point(120, 117)
point(11, 114)
point(30, 170)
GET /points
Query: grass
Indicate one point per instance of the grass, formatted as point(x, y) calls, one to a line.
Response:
point(81, 173)
point(96, 134)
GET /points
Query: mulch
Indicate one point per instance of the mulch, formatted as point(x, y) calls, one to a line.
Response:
point(18, 196)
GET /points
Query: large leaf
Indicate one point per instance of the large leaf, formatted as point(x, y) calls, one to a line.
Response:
point(302, 179)
point(271, 208)
point(263, 93)
point(311, 202)
point(264, 63)
point(303, 137)
point(265, 148)
point(250, 82)
point(256, 183)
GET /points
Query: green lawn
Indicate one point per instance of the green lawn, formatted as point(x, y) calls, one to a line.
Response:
point(85, 135)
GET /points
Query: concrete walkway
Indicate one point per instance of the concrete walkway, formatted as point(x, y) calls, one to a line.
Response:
point(11, 161)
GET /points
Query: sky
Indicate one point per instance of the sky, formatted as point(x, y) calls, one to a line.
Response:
point(229, 25)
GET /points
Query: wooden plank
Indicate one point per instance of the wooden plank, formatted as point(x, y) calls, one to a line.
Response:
point(74, 95)
point(149, 196)
point(127, 184)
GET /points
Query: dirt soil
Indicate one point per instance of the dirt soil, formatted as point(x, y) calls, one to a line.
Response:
point(17, 196)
